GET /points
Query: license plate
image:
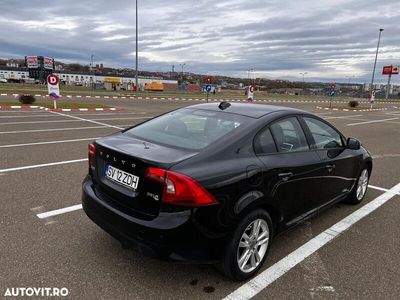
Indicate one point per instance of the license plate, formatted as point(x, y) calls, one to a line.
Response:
point(122, 177)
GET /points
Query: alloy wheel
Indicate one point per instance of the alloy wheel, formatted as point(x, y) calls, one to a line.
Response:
point(362, 184)
point(253, 245)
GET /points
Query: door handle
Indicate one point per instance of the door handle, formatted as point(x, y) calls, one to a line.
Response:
point(330, 167)
point(285, 176)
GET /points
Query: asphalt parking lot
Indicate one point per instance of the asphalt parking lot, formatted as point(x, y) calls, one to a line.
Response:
point(43, 162)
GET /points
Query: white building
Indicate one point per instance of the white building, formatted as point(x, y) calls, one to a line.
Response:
point(75, 78)
point(14, 74)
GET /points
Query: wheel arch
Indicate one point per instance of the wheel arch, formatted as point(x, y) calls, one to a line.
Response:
point(257, 200)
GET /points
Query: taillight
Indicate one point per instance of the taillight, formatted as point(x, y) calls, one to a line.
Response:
point(91, 155)
point(180, 189)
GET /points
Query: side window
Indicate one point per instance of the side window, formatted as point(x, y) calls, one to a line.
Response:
point(325, 137)
point(264, 142)
point(289, 135)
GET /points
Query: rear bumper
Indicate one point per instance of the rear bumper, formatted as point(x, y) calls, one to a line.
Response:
point(170, 236)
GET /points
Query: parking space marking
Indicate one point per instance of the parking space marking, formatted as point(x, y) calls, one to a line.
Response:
point(77, 114)
point(78, 119)
point(59, 211)
point(59, 129)
point(99, 123)
point(372, 121)
point(49, 142)
point(43, 165)
point(107, 114)
point(264, 279)
point(386, 155)
point(343, 117)
point(381, 189)
point(26, 116)
point(322, 113)
point(82, 119)
point(393, 114)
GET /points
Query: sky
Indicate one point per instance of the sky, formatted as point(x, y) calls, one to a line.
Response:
point(333, 41)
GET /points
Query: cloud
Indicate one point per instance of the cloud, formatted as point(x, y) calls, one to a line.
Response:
point(329, 40)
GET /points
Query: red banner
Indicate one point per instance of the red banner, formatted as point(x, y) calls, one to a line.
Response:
point(390, 70)
point(32, 62)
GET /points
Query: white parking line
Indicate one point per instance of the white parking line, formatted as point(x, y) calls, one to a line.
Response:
point(82, 119)
point(59, 211)
point(49, 142)
point(393, 114)
point(381, 189)
point(342, 117)
point(264, 279)
point(372, 121)
point(61, 129)
point(75, 114)
point(106, 114)
point(77, 120)
point(29, 116)
point(43, 165)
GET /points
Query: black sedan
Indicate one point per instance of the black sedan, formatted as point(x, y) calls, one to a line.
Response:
point(214, 183)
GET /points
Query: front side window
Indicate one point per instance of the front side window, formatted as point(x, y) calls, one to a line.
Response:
point(289, 136)
point(325, 137)
point(188, 128)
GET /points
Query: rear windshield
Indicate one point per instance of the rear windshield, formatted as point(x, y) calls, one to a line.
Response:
point(188, 128)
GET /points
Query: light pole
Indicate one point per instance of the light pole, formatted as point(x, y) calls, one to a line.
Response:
point(376, 57)
point(303, 73)
point(182, 65)
point(248, 73)
point(91, 72)
point(137, 59)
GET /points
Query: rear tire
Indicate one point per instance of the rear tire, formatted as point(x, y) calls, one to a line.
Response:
point(248, 247)
point(359, 190)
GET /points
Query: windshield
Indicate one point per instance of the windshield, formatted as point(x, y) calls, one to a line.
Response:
point(188, 128)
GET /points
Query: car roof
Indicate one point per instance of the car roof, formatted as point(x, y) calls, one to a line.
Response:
point(247, 109)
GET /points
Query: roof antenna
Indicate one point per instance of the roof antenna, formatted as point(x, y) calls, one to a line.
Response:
point(224, 105)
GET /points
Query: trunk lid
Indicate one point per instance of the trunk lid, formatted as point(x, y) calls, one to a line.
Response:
point(126, 154)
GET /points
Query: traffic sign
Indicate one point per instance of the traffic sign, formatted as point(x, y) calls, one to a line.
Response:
point(251, 89)
point(208, 88)
point(333, 93)
point(53, 88)
point(333, 86)
point(52, 79)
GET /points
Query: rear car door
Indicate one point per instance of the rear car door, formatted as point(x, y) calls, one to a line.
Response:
point(292, 172)
point(339, 162)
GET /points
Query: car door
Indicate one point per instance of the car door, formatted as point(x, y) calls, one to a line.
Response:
point(339, 162)
point(292, 172)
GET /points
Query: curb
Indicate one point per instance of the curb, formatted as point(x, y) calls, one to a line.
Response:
point(353, 110)
point(81, 109)
point(10, 107)
point(201, 99)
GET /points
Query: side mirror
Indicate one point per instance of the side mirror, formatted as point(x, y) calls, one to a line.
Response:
point(353, 144)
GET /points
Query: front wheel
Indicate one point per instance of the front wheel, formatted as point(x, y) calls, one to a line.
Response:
point(248, 247)
point(360, 187)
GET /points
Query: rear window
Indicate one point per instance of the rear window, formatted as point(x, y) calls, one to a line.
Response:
point(188, 128)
